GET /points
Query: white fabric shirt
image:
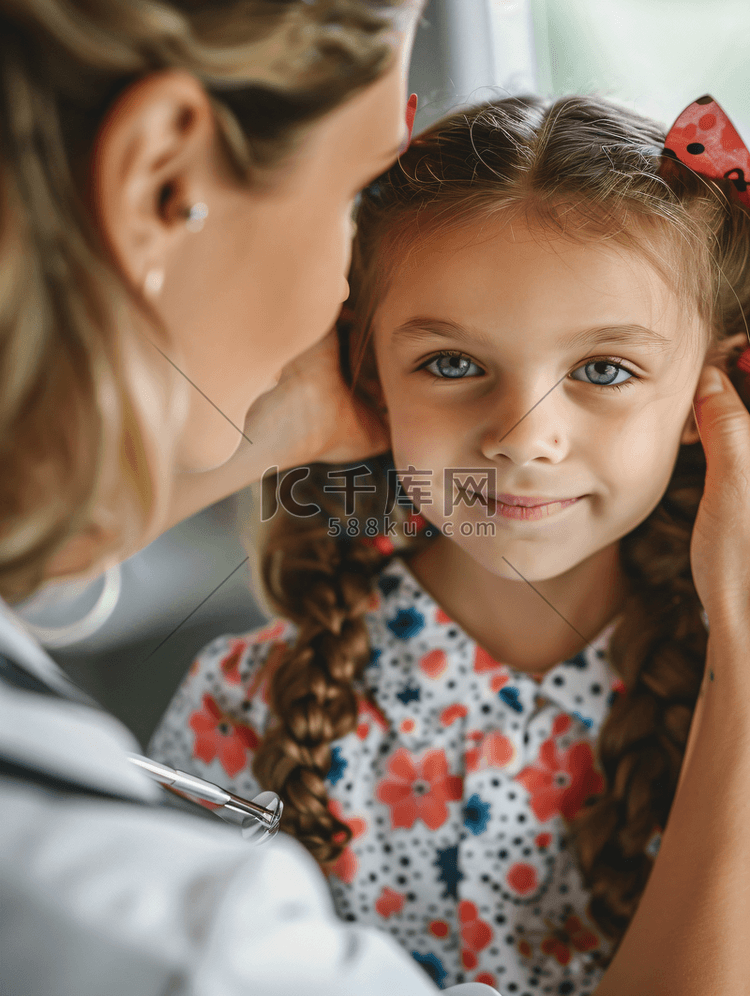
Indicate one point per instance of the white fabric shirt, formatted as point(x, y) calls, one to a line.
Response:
point(102, 896)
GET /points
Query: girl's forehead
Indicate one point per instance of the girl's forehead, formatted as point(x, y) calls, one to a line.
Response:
point(512, 271)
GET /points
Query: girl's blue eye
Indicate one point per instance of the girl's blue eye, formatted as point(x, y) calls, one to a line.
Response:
point(455, 368)
point(604, 373)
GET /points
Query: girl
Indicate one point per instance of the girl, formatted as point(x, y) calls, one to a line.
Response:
point(477, 727)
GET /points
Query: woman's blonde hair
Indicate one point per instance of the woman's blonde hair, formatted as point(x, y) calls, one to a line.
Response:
point(587, 169)
point(88, 419)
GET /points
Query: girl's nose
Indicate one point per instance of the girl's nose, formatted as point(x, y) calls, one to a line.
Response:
point(523, 429)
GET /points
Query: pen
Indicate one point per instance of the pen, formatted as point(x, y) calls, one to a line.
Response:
point(258, 819)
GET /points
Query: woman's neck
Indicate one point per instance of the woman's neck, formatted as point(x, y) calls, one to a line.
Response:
point(510, 619)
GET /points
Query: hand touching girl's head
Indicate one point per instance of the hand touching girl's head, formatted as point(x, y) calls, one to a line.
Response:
point(533, 297)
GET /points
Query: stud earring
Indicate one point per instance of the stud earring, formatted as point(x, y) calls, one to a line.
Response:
point(153, 282)
point(196, 216)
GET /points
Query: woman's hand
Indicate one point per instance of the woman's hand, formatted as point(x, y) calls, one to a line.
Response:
point(311, 415)
point(720, 545)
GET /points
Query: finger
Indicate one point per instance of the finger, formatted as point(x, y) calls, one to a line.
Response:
point(723, 423)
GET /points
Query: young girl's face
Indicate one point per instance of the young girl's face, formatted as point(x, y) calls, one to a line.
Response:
point(568, 368)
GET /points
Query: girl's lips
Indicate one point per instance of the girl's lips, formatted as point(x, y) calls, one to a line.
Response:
point(528, 501)
point(529, 513)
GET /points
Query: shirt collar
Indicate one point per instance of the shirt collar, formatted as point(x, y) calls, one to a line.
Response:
point(423, 664)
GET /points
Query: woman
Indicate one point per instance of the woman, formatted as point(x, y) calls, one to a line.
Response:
point(176, 185)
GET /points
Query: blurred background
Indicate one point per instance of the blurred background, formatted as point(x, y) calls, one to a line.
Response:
point(129, 637)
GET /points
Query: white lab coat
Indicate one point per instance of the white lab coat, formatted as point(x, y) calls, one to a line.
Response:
point(103, 897)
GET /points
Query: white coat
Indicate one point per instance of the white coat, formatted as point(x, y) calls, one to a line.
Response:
point(103, 892)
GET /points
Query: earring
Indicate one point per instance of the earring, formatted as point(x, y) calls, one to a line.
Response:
point(153, 282)
point(196, 216)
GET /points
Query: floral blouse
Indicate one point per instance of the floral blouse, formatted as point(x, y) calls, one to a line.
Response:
point(457, 785)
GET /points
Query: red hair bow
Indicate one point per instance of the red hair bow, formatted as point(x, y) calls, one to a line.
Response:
point(411, 110)
point(704, 139)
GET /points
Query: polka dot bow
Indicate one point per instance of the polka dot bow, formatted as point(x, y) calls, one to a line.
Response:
point(704, 139)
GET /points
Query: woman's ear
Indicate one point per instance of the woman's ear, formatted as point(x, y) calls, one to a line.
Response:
point(717, 356)
point(151, 162)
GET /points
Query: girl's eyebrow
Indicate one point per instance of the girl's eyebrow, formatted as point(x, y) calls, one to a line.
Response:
point(419, 328)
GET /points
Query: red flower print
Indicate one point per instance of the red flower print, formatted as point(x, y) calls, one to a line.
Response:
point(560, 781)
point(487, 978)
point(270, 632)
point(217, 734)
point(441, 617)
point(581, 937)
point(407, 725)
point(434, 663)
point(561, 724)
point(574, 934)
point(471, 759)
point(498, 681)
point(389, 902)
point(543, 839)
point(366, 711)
point(230, 664)
point(522, 878)
point(475, 933)
point(345, 867)
point(525, 948)
point(483, 661)
point(619, 686)
point(453, 712)
point(558, 949)
point(495, 751)
point(439, 928)
point(419, 789)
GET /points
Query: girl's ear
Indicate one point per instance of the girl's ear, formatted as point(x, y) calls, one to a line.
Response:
point(717, 356)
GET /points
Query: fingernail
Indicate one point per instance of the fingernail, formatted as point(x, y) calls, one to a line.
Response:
point(711, 382)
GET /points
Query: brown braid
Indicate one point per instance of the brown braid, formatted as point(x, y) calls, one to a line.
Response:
point(592, 170)
point(324, 585)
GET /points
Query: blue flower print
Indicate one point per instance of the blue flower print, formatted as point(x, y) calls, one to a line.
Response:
point(375, 653)
point(509, 695)
point(588, 723)
point(476, 815)
point(410, 693)
point(339, 764)
point(450, 874)
point(433, 966)
point(406, 624)
point(388, 583)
